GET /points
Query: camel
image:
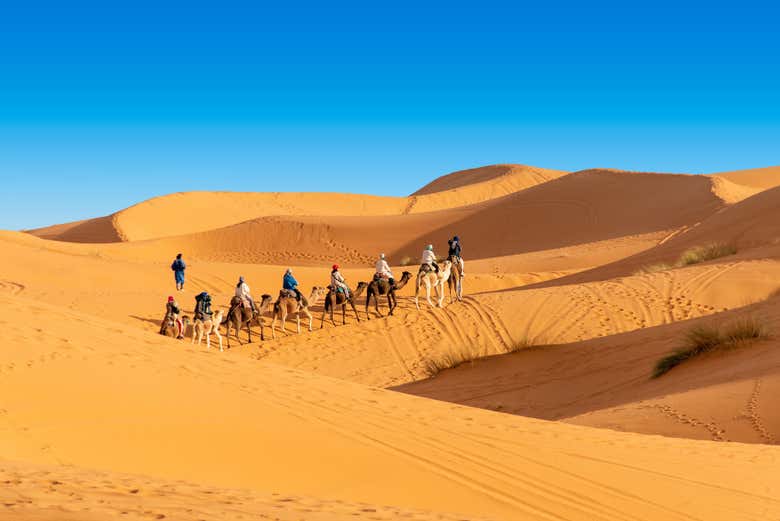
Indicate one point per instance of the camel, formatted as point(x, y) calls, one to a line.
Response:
point(168, 327)
point(455, 280)
point(335, 298)
point(207, 327)
point(240, 316)
point(378, 287)
point(432, 279)
point(287, 304)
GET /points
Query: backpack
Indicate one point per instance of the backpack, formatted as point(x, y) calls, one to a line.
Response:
point(203, 303)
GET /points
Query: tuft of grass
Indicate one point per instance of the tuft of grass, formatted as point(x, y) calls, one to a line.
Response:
point(520, 345)
point(707, 253)
point(448, 360)
point(655, 268)
point(706, 339)
point(695, 255)
point(462, 355)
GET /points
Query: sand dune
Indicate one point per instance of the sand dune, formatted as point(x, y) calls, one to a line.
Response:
point(606, 382)
point(192, 212)
point(759, 178)
point(217, 419)
point(102, 417)
point(750, 226)
point(576, 209)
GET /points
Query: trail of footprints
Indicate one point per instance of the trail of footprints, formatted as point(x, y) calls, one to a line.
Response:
point(718, 433)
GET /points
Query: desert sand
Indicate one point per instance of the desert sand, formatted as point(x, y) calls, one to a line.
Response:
point(573, 292)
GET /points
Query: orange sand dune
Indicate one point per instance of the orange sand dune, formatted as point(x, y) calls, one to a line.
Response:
point(576, 209)
point(156, 408)
point(191, 212)
point(750, 225)
point(102, 417)
point(759, 178)
point(606, 382)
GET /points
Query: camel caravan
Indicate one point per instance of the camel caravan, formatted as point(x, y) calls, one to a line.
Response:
point(244, 312)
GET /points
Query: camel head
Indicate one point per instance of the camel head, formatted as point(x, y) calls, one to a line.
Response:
point(265, 301)
point(317, 293)
point(361, 287)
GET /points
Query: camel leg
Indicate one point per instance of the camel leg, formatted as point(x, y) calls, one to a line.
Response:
point(352, 302)
point(311, 319)
point(416, 295)
point(428, 292)
point(390, 303)
point(219, 337)
point(227, 330)
point(368, 301)
point(344, 314)
point(249, 330)
point(298, 321)
point(208, 337)
point(331, 303)
point(376, 305)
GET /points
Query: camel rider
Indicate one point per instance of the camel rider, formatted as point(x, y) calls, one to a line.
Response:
point(290, 284)
point(242, 292)
point(429, 259)
point(454, 252)
point(203, 306)
point(172, 313)
point(383, 270)
point(337, 281)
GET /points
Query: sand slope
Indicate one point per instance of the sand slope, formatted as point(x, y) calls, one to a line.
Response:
point(759, 178)
point(156, 408)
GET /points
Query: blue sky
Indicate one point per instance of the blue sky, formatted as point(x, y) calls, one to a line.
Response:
point(104, 104)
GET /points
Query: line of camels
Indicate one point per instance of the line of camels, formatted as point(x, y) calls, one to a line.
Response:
point(240, 316)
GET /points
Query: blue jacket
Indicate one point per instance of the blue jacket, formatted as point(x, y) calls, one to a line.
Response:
point(178, 265)
point(289, 282)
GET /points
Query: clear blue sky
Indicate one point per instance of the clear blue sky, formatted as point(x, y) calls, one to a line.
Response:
point(104, 104)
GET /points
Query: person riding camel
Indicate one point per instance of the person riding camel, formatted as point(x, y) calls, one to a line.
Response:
point(429, 259)
point(203, 306)
point(383, 270)
point(455, 250)
point(337, 281)
point(290, 284)
point(172, 313)
point(242, 292)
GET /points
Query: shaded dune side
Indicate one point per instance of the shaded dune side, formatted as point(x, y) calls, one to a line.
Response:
point(98, 230)
point(579, 208)
point(751, 225)
point(518, 175)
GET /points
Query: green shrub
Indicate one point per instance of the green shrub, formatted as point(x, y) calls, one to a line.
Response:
point(706, 339)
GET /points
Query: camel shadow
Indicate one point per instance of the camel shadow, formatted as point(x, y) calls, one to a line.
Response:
point(155, 321)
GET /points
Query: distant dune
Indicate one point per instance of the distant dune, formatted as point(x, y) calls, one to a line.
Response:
point(759, 178)
point(192, 212)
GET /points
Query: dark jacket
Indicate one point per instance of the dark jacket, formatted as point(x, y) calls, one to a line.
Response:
point(454, 248)
point(178, 265)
